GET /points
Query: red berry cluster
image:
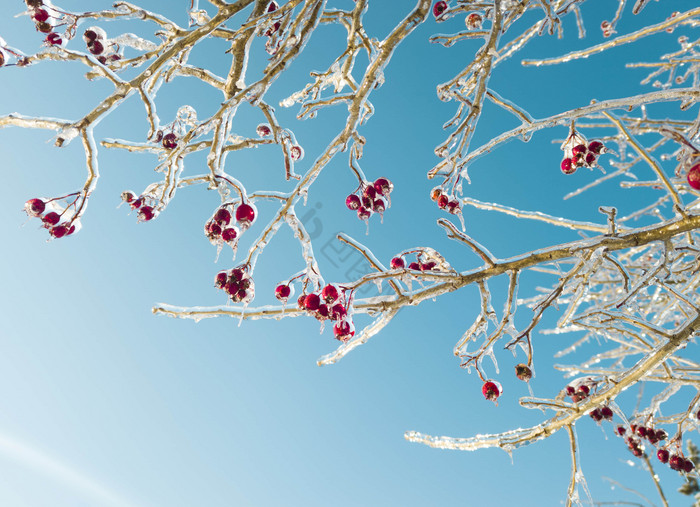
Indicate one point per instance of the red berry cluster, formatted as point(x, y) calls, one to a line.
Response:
point(419, 264)
point(694, 176)
point(219, 228)
point(237, 283)
point(370, 198)
point(98, 44)
point(51, 220)
point(439, 8)
point(677, 462)
point(272, 28)
point(444, 201)
point(145, 204)
point(330, 303)
point(580, 153)
point(578, 393)
point(639, 433)
point(168, 140)
point(44, 21)
point(601, 413)
point(491, 390)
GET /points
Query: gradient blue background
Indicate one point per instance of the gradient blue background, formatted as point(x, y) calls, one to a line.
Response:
point(102, 403)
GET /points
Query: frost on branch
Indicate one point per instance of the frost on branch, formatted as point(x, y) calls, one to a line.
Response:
point(627, 281)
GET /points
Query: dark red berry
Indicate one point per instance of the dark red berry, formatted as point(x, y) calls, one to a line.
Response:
point(245, 214)
point(379, 205)
point(146, 213)
point(136, 204)
point(34, 207)
point(585, 389)
point(338, 312)
point(570, 390)
point(661, 435)
point(414, 265)
point(170, 141)
point(329, 293)
point(44, 27)
point(40, 15)
point(222, 216)
point(54, 39)
point(428, 266)
point(272, 30)
point(282, 292)
point(241, 294)
point(688, 466)
point(621, 430)
point(676, 462)
point(383, 186)
point(642, 431)
point(213, 229)
point(89, 36)
point(607, 413)
point(231, 287)
point(596, 415)
point(343, 330)
point(352, 202)
point(263, 130)
point(453, 207)
point(220, 280)
point(443, 201)
point(59, 231)
point(272, 7)
point(523, 372)
point(51, 219)
point(312, 302)
point(95, 47)
point(70, 230)
point(490, 391)
point(237, 274)
point(295, 152)
point(662, 454)
point(567, 166)
point(363, 213)
point(128, 196)
point(370, 192)
point(397, 263)
point(301, 302)
point(323, 311)
point(439, 8)
point(596, 147)
point(579, 149)
point(229, 234)
point(590, 158)
point(694, 182)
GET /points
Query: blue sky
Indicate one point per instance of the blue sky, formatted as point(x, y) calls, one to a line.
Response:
point(103, 403)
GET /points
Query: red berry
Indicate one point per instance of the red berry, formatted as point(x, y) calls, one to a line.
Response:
point(338, 311)
point(414, 265)
point(688, 466)
point(272, 7)
point(34, 207)
point(312, 302)
point(661, 435)
point(271, 31)
point(146, 213)
point(95, 47)
point(102, 60)
point(231, 287)
point(323, 311)
point(428, 266)
point(585, 389)
point(59, 231)
point(490, 391)
point(352, 202)
point(579, 149)
point(570, 390)
point(662, 454)
point(213, 229)
point(397, 263)
point(343, 330)
point(136, 204)
point(329, 293)
point(89, 35)
point(590, 158)
point(596, 415)
point(237, 274)
point(435, 193)
point(370, 192)
point(675, 462)
point(245, 214)
point(54, 39)
point(301, 302)
point(70, 230)
point(596, 147)
point(567, 166)
point(694, 182)
point(442, 201)
point(453, 207)
point(220, 280)
point(282, 292)
point(263, 130)
point(170, 141)
point(296, 152)
point(383, 186)
point(642, 431)
point(229, 234)
point(40, 15)
point(51, 219)
point(128, 196)
point(523, 372)
point(607, 413)
point(363, 213)
point(379, 205)
point(222, 216)
point(473, 21)
point(621, 430)
point(439, 8)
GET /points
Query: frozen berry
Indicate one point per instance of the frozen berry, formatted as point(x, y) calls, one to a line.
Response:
point(370, 192)
point(329, 293)
point(642, 431)
point(221, 279)
point(95, 47)
point(323, 311)
point(40, 15)
point(414, 265)
point(397, 263)
point(229, 234)
point(661, 435)
point(89, 35)
point(44, 27)
point(296, 152)
point(128, 196)
point(590, 158)
point(343, 330)
point(473, 21)
point(694, 182)
point(383, 186)
point(34, 207)
point(352, 202)
point(213, 229)
point(301, 302)
point(282, 292)
point(312, 302)
point(170, 141)
point(607, 413)
point(443, 201)
point(363, 213)
point(222, 216)
point(523, 372)
point(435, 193)
point(453, 207)
point(439, 8)
point(54, 39)
point(579, 149)
point(51, 219)
point(263, 130)
point(338, 311)
point(490, 391)
point(596, 415)
point(59, 231)
point(245, 214)
point(688, 466)
point(621, 430)
point(662, 454)
point(428, 266)
point(676, 462)
point(379, 205)
point(136, 203)
point(596, 147)
point(3, 57)
point(146, 213)
point(567, 166)
point(272, 7)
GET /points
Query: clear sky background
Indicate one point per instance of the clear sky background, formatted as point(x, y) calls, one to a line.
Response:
point(103, 403)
